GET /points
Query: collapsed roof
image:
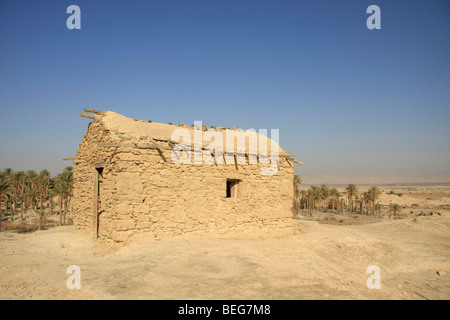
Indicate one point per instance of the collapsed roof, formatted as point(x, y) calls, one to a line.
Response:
point(130, 132)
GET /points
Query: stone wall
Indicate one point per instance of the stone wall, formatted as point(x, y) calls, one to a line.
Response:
point(142, 195)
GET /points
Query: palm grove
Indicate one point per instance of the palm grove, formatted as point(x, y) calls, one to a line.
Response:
point(323, 198)
point(23, 191)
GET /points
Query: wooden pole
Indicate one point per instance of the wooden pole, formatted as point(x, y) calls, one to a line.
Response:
point(95, 205)
point(88, 115)
point(94, 111)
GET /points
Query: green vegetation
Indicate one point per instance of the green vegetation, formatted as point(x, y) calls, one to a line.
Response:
point(394, 210)
point(21, 191)
point(324, 198)
point(393, 193)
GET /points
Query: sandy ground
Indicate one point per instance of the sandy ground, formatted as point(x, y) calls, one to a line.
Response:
point(319, 261)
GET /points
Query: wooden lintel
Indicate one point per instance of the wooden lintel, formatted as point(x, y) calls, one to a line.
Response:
point(138, 146)
point(88, 115)
point(94, 111)
point(116, 145)
point(151, 146)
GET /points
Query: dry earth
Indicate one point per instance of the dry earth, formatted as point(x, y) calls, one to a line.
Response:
point(320, 261)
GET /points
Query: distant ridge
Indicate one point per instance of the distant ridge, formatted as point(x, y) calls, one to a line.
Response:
point(382, 184)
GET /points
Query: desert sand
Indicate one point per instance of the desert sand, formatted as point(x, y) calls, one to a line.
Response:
point(326, 258)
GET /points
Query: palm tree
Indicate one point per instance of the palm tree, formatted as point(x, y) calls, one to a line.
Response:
point(68, 180)
point(8, 175)
point(358, 201)
point(39, 194)
point(297, 181)
point(395, 208)
point(352, 191)
point(41, 187)
point(45, 176)
point(303, 199)
point(51, 194)
point(367, 198)
point(18, 181)
point(5, 192)
point(336, 195)
point(315, 196)
point(374, 193)
point(44, 182)
point(18, 187)
point(60, 190)
point(309, 198)
point(33, 195)
point(30, 194)
point(64, 188)
point(324, 194)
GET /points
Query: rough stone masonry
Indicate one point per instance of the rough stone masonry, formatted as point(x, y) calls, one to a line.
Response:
point(126, 186)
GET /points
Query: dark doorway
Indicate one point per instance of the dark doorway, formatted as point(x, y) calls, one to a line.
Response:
point(232, 188)
point(98, 177)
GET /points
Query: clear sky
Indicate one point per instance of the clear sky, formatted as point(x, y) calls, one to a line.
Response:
point(356, 105)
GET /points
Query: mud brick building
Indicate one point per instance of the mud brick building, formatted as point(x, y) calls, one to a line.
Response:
point(128, 184)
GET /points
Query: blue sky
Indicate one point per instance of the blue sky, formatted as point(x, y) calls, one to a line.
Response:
point(356, 105)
